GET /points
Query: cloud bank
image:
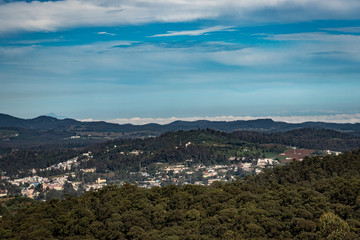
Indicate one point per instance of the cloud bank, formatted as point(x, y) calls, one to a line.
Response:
point(55, 15)
point(336, 118)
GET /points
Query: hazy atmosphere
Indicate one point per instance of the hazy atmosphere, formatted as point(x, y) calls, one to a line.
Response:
point(160, 60)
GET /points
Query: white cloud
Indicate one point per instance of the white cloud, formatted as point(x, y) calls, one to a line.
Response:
point(106, 33)
point(336, 118)
point(195, 32)
point(54, 15)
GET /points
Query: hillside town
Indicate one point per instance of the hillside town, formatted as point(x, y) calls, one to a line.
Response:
point(160, 174)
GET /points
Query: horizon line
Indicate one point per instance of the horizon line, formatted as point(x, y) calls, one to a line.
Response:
point(334, 118)
point(329, 118)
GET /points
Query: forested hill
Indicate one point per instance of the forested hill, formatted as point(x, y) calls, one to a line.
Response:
point(209, 146)
point(317, 198)
point(304, 138)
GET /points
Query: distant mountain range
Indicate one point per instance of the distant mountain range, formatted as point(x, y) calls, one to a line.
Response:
point(49, 130)
point(263, 125)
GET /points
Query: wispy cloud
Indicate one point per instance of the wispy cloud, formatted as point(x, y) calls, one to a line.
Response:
point(193, 46)
point(106, 33)
point(55, 15)
point(38, 41)
point(311, 36)
point(335, 118)
point(344, 29)
point(197, 32)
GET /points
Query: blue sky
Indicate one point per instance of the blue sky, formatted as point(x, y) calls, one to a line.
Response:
point(162, 60)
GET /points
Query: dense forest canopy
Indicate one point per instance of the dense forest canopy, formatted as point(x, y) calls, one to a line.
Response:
point(318, 198)
point(303, 138)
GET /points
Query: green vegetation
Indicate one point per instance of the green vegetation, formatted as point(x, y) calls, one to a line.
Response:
point(11, 206)
point(317, 198)
point(303, 138)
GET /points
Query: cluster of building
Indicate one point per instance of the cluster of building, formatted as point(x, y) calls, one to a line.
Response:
point(181, 174)
point(67, 165)
point(200, 174)
point(32, 186)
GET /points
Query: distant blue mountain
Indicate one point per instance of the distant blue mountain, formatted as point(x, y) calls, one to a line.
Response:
point(260, 125)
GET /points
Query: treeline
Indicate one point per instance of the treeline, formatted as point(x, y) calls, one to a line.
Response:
point(317, 198)
point(11, 206)
point(320, 139)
